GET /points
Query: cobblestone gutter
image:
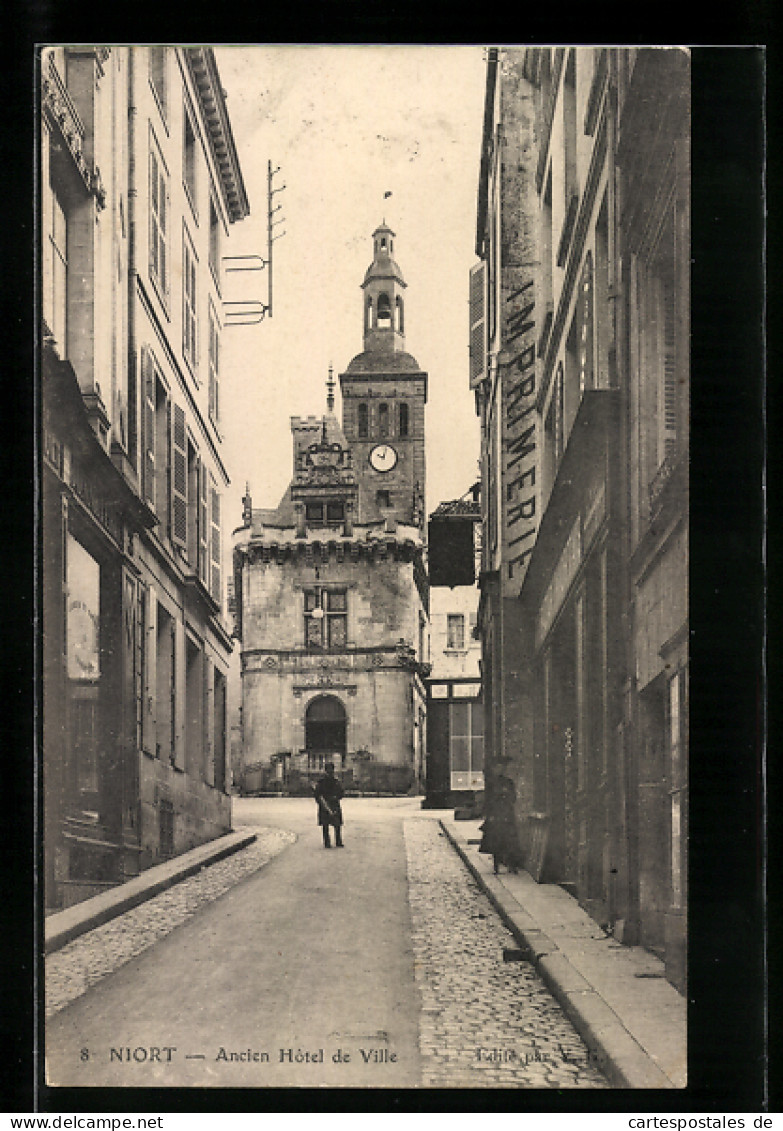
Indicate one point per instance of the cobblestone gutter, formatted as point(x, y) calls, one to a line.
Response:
point(70, 971)
point(484, 1022)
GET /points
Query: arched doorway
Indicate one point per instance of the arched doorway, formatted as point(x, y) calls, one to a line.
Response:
point(325, 732)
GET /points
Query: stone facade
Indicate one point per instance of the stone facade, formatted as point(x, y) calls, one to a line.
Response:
point(136, 211)
point(579, 363)
point(330, 587)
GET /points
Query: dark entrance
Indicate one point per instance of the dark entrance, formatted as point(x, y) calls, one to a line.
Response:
point(325, 731)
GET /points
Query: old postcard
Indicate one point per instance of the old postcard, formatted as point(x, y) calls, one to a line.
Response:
point(365, 385)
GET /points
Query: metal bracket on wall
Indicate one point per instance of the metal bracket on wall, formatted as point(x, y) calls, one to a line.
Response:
point(249, 312)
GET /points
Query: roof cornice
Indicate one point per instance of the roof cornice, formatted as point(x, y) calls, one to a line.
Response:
point(203, 68)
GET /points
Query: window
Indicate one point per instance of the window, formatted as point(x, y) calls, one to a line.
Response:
point(156, 440)
point(466, 744)
point(55, 266)
point(404, 419)
point(383, 498)
point(363, 421)
point(189, 160)
point(179, 478)
point(214, 241)
point(159, 77)
point(368, 314)
point(326, 618)
point(383, 420)
point(324, 513)
point(189, 303)
point(216, 578)
point(399, 320)
point(214, 366)
point(159, 209)
point(455, 631)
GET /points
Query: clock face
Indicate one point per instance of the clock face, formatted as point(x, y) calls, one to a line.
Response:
point(383, 457)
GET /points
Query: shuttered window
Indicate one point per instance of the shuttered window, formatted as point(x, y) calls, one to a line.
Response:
point(148, 426)
point(216, 581)
point(214, 366)
point(158, 212)
point(204, 529)
point(477, 306)
point(179, 478)
point(189, 304)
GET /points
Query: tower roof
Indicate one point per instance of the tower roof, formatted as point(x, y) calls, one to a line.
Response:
point(371, 361)
point(383, 265)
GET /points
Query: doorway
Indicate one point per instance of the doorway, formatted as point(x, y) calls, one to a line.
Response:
point(325, 731)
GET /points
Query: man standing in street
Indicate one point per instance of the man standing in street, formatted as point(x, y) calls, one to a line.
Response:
point(328, 793)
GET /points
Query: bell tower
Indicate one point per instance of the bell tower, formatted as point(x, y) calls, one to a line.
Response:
point(384, 303)
point(384, 392)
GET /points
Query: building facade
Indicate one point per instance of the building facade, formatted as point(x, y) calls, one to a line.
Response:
point(580, 367)
point(330, 587)
point(455, 709)
point(140, 184)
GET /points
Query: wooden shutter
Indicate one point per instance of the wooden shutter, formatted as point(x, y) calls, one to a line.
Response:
point(204, 533)
point(214, 368)
point(154, 216)
point(478, 341)
point(216, 587)
point(148, 426)
point(163, 204)
point(179, 478)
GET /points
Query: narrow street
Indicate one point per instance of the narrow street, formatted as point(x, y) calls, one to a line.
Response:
point(377, 966)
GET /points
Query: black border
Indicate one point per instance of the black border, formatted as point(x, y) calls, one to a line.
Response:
point(727, 990)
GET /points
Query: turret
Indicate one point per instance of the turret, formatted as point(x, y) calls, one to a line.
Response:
point(383, 286)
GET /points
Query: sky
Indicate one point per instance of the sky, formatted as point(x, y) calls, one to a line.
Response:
point(347, 124)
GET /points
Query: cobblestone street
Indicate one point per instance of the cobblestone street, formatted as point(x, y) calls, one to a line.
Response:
point(231, 976)
point(484, 1022)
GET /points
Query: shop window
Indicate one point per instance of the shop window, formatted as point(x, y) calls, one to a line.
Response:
point(83, 663)
point(466, 744)
point(326, 618)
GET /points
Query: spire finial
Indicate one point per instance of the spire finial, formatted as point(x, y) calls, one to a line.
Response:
point(330, 389)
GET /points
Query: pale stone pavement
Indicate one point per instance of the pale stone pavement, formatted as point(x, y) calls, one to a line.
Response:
point(377, 966)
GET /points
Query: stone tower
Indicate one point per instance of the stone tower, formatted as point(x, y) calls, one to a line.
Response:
point(384, 393)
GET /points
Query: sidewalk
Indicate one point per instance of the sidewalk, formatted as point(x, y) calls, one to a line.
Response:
point(617, 997)
point(63, 926)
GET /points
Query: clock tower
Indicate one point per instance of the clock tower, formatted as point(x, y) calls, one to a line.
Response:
point(384, 392)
